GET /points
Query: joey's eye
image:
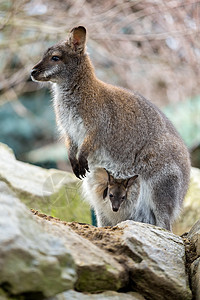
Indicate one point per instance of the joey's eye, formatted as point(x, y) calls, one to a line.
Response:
point(55, 58)
point(110, 195)
point(123, 198)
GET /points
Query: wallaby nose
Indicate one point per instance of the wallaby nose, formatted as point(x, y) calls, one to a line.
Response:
point(115, 209)
point(33, 72)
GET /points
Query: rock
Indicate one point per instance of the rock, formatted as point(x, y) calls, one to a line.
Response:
point(191, 207)
point(153, 258)
point(41, 256)
point(158, 266)
point(109, 295)
point(97, 270)
point(195, 156)
point(51, 152)
point(194, 237)
point(51, 191)
point(193, 254)
point(31, 259)
point(3, 295)
point(195, 278)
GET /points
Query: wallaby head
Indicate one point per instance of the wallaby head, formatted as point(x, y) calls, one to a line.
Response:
point(117, 190)
point(61, 60)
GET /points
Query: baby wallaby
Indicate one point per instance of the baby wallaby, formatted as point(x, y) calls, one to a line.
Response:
point(113, 200)
point(109, 127)
point(117, 190)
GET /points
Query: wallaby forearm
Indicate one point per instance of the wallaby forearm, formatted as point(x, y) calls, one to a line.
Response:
point(78, 156)
point(88, 147)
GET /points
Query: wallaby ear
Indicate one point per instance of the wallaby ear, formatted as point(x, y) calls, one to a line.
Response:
point(105, 192)
point(77, 38)
point(130, 181)
point(109, 176)
point(111, 180)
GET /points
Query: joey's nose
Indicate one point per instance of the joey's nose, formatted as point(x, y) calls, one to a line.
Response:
point(115, 209)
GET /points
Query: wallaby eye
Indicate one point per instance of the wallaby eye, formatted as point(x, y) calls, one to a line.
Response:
point(55, 58)
point(123, 198)
point(110, 195)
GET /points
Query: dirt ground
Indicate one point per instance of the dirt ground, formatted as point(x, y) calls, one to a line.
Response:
point(108, 238)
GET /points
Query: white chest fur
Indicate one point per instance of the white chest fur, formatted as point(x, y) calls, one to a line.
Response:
point(67, 117)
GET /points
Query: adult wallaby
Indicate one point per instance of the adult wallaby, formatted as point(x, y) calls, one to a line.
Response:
point(113, 200)
point(109, 127)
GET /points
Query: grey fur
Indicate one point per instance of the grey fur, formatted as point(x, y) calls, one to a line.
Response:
point(112, 128)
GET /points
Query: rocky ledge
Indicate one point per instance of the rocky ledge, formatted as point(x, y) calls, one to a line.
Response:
point(43, 256)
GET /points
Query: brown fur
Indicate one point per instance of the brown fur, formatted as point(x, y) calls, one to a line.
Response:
point(117, 190)
point(112, 128)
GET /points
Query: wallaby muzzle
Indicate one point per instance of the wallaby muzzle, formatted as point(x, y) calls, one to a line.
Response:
point(115, 206)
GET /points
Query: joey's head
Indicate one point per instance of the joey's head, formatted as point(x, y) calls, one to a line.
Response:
point(117, 190)
point(62, 60)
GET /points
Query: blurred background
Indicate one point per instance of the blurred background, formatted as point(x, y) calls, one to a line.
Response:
point(149, 46)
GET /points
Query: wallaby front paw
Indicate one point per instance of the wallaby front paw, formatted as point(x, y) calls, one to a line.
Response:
point(75, 168)
point(80, 167)
point(83, 166)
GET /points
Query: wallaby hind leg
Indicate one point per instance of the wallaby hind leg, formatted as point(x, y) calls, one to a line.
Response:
point(102, 220)
point(159, 200)
point(144, 211)
point(145, 216)
point(167, 197)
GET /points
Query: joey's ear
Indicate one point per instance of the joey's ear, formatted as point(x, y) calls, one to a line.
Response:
point(130, 181)
point(109, 176)
point(105, 192)
point(111, 180)
point(77, 38)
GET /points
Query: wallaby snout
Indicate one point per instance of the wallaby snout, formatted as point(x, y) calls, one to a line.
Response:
point(36, 73)
point(116, 203)
point(115, 207)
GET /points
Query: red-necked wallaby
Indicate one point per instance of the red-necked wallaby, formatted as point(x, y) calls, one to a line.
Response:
point(117, 190)
point(114, 200)
point(112, 128)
